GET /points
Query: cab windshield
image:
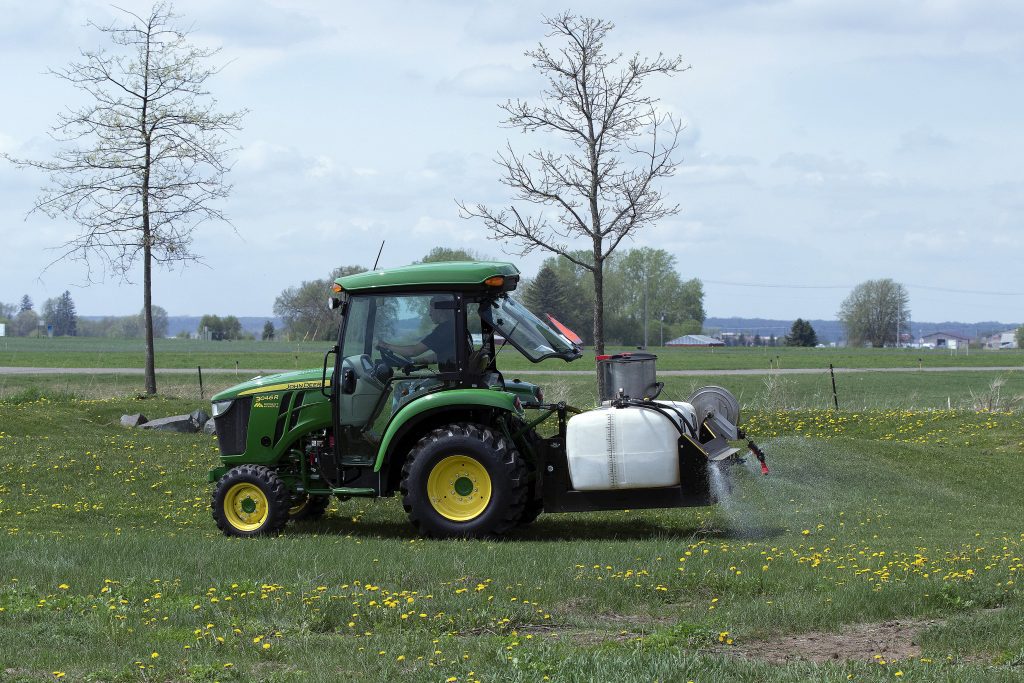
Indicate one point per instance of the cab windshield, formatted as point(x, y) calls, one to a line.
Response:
point(535, 339)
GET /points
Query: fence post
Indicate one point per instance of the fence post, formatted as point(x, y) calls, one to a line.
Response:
point(835, 396)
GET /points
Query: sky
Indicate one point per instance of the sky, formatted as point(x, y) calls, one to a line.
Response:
point(826, 143)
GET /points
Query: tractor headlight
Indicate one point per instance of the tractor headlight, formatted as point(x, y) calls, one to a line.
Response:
point(221, 407)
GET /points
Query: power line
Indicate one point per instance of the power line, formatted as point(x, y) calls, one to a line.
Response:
point(774, 286)
point(907, 285)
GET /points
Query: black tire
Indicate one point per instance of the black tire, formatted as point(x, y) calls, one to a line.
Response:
point(305, 507)
point(491, 464)
point(531, 511)
point(534, 497)
point(251, 500)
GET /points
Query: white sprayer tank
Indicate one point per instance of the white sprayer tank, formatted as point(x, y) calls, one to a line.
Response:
point(622, 448)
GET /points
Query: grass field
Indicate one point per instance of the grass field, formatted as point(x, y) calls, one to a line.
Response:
point(885, 545)
point(186, 353)
point(969, 390)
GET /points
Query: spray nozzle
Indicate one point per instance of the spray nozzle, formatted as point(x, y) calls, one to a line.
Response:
point(759, 454)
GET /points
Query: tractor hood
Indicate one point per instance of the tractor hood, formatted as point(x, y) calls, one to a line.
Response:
point(285, 381)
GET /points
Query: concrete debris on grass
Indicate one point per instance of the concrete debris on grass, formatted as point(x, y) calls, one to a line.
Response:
point(133, 420)
point(183, 424)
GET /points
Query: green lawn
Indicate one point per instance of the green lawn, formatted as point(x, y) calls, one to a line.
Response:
point(113, 570)
point(969, 389)
point(187, 353)
point(966, 390)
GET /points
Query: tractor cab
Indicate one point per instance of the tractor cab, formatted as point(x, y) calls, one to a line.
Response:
point(401, 340)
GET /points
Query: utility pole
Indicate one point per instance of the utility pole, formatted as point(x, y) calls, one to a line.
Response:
point(645, 306)
point(899, 316)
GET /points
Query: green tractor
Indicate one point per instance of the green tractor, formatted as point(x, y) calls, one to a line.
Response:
point(410, 401)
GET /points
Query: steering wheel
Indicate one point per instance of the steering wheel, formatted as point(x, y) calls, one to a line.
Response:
point(396, 360)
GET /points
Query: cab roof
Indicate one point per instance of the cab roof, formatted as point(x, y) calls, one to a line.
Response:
point(445, 275)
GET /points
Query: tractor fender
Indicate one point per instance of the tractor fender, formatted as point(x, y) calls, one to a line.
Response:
point(423, 408)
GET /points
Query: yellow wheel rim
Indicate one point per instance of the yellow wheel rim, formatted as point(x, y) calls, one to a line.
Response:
point(459, 488)
point(246, 506)
point(300, 503)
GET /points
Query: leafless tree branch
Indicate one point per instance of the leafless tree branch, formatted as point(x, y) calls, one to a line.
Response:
point(605, 189)
point(144, 161)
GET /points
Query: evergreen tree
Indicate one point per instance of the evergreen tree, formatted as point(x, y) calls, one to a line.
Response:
point(26, 304)
point(65, 319)
point(268, 331)
point(546, 294)
point(801, 334)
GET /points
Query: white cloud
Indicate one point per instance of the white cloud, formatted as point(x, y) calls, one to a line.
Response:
point(7, 144)
point(935, 241)
point(495, 81)
point(848, 138)
point(322, 166)
point(923, 140)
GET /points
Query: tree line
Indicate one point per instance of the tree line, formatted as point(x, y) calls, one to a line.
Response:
point(643, 286)
point(58, 315)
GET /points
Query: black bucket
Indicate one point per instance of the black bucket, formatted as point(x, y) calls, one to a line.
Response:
point(631, 375)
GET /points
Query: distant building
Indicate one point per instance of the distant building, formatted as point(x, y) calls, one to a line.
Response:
point(943, 340)
point(1000, 340)
point(695, 340)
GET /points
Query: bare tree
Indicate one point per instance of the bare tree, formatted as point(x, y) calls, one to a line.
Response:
point(143, 163)
point(605, 188)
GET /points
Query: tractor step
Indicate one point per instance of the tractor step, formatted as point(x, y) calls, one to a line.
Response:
point(354, 492)
point(344, 491)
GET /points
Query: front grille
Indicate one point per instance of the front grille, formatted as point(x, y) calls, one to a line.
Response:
point(233, 426)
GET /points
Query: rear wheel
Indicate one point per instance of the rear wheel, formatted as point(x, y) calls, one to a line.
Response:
point(306, 507)
point(251, 500)
point(531, 511)
point(534, 498)
point(465, 481)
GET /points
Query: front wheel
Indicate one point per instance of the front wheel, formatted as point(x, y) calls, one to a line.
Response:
point(251, 500)
point(463, 481)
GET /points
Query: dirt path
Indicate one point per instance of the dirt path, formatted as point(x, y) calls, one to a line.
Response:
point(886, 641)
